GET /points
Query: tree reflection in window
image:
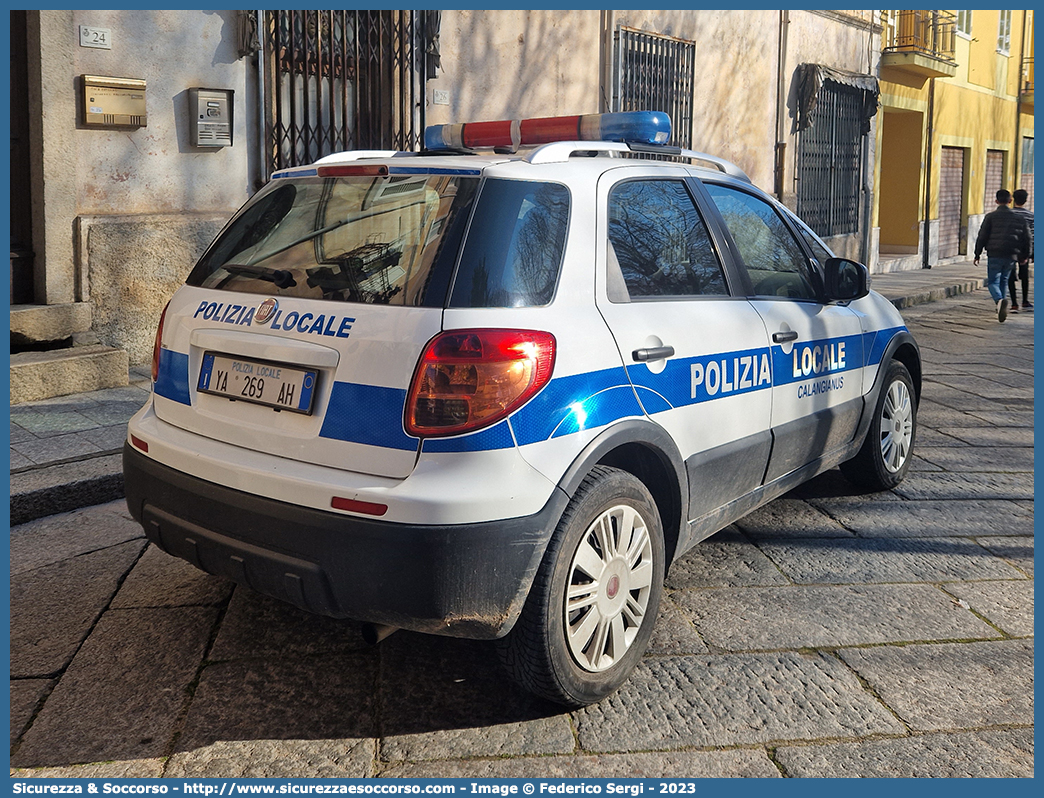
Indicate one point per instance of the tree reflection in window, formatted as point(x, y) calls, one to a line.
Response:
point(661, 242)
point(775, 262)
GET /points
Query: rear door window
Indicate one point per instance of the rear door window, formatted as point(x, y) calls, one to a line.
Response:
point(515, 243)
point(659, 243)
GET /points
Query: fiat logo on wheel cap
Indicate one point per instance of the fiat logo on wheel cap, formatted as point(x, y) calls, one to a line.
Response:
point(612, 587)
point(265, 311)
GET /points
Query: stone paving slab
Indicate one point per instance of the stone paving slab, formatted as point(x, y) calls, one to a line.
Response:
point(833, 485)
point(993, 436)
point(965, 486)
point(54, 538)
point(1006, 418)
point(53, 608)
point(974, 459)
point(26, 695)
point(159, 580)
point(124, 769)
point(437, 705)
point(948, 686)
point(724, 700)
point(284, 759)
point(298, 699)
point(145, 659)
point(882, 560)
point(256, 627)
point(930, 518)
point(1005, 754)
point(956, 399)
point(986, 387)
point(755, 618)
point(1016, 550)
point(1007, 605)
point(736, 763)
point(726, 559)
point(791, 518)
point(933, 414)
point(674, 633)
point(926, 436)
point(59, 447)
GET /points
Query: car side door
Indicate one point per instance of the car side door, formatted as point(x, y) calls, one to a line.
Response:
point(694, 349)
point(817, 346)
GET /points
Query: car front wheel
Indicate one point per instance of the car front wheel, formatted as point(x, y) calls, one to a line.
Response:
point(593, 604)
point(885, 455)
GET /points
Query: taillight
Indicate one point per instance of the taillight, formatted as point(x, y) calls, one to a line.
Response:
point(156, 345)
point(469, 379)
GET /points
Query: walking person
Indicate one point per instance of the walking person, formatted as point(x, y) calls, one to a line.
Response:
point(1019, 196)
point(1005, 237)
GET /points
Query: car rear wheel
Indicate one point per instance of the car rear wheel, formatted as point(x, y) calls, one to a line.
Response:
point(593, 604)
point(885, 456)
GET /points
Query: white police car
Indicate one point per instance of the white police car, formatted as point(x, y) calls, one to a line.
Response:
point(495, 396)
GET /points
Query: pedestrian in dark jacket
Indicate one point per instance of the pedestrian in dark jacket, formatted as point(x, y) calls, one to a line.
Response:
point(1020, 196)
point(1005, 237)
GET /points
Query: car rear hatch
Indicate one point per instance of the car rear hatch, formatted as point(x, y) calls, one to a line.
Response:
point(300, 328)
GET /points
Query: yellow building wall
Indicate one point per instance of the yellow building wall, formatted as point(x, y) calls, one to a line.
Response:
point(977, 109)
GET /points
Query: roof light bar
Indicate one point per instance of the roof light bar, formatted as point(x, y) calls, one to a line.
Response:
point(637, 127)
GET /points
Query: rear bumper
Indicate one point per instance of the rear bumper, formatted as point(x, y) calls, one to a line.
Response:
point(467, 580)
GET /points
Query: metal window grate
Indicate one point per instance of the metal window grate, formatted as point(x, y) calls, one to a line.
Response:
point(339, 80)
point(656, 73)
point(829, 162)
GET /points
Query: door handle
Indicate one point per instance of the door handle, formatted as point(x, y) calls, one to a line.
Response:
point(652, 353)
point(783, 337)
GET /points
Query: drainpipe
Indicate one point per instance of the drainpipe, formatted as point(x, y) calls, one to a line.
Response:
point(781, 144)
point(608, 81)
point(928, 174)
point(1018, 104)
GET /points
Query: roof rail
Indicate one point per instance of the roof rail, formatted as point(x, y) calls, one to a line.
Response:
point(561, 151)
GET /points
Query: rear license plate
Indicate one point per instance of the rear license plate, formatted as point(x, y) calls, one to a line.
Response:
point(271, 384)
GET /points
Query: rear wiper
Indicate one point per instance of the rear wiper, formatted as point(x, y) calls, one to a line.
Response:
point(281, 277)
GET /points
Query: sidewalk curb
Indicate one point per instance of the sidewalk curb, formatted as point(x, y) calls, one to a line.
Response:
point(65, 487)
point(935, 294)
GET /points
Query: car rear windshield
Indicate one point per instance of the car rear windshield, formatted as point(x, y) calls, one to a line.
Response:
point(395, 240)
point(388, 240)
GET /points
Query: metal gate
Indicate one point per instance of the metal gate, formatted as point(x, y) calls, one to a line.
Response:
point(829, 162)
point(951, 203)
point(339, 80)
point(656, 73)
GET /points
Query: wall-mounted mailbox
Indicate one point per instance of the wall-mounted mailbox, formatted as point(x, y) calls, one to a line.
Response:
point(211, 112)
point(113, 102)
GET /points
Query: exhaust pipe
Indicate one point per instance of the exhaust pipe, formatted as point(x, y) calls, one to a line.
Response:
point(374, 633)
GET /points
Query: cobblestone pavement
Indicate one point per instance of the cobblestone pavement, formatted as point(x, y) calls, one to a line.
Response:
point(827, 634)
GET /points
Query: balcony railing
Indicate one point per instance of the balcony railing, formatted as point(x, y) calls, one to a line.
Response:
point(1027, 76)
point(930, 33)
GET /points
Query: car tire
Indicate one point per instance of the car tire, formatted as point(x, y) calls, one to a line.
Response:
point(884, 458)
point(607, 554)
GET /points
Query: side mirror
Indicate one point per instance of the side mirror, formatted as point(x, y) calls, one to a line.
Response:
point(845, 280)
